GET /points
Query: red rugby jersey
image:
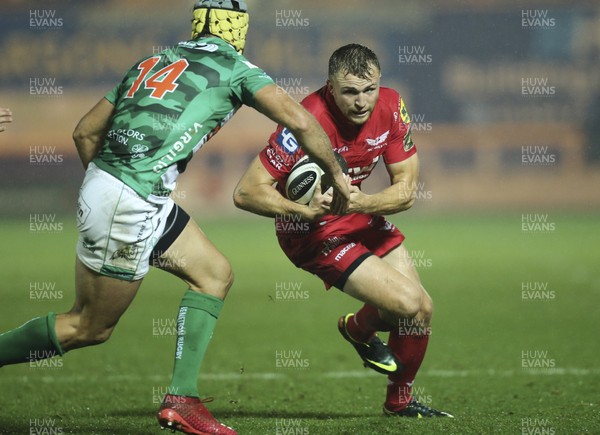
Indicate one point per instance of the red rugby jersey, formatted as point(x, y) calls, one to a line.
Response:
point(386, 134)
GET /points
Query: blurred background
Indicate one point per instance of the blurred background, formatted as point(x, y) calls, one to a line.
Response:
point(504, 95)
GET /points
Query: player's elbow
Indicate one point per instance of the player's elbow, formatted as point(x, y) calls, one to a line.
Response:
point(409, 202)
point(79, 136)
point(82, 135)
point(241, 197)
point(406, 200)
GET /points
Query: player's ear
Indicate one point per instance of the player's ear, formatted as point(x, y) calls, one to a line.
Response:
point(329, 86)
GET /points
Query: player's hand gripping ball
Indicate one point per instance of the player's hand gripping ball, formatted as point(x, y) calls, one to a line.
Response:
point(304, 178)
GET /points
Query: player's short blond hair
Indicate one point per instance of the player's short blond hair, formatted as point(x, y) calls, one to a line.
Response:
point(223, 18)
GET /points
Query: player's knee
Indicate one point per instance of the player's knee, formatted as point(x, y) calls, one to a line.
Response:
point(409, 309)
point(405, 306)
point(426, 308)
point(218, 282)
point(222, 277)
point(226, 278)
point(413, 303)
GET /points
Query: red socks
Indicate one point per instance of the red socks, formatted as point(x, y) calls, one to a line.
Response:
point(365, 323)
point(408, 342)
point(410, 351)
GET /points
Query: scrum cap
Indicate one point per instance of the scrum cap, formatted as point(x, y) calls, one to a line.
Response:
point(227, 19)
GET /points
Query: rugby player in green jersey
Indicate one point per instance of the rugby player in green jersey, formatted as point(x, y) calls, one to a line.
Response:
point(126, 218)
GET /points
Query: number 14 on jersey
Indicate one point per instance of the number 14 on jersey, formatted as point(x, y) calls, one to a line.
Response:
point(162, 81)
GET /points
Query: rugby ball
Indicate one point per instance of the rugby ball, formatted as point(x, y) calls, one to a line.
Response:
point(304, 178)
point(302, 181)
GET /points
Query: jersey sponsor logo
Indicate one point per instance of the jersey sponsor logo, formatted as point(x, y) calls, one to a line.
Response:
point(128, 253)
point(344, 251)
point(379, 141)
point(408, 142)
point(178, 147)
point(123, 135)
point(138, 151)
point(195, 45)
point(387, 226)
point(403, 112)
point(363, 172)
point(275, 159)
point(185, 139)
point(331, 243)
point(287, 141)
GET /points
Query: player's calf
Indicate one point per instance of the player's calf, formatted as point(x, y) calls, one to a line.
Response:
point(72, 333)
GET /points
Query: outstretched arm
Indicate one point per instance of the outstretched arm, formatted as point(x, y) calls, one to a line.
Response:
point(275, 103)
point(89, 133)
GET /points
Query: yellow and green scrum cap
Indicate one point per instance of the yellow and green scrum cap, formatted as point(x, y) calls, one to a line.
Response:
point(227, 19)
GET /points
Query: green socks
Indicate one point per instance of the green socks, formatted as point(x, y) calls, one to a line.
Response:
point(198, 314)
point(31, 341)
point(196, 321)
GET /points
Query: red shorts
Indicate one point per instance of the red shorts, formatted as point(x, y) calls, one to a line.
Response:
point(333, 251)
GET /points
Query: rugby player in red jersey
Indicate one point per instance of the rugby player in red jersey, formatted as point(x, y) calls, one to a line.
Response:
point(360, 253)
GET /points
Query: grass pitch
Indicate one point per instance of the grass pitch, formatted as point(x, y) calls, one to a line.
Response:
point(514, 347)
